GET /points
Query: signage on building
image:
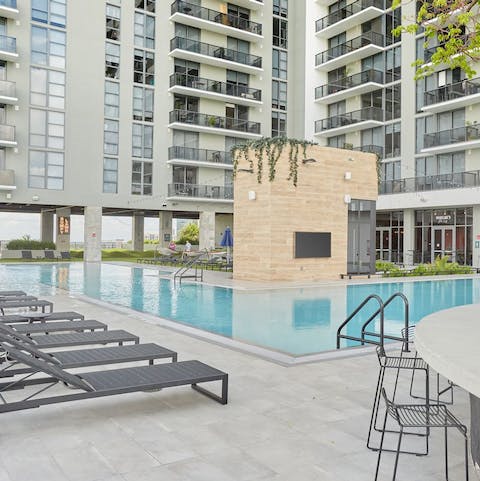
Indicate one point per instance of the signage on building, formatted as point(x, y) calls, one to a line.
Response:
point(442, 218)
point(64, 225)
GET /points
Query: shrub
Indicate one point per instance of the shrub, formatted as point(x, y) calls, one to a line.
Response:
point(29, 244)
point(383, 266)
point(188, 233)
point(76, 254)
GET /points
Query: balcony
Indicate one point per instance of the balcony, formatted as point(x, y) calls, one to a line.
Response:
point(7, 136)
point(8, 92)
point(215, 21)
point(250, 4)
point(214, 55)
point(200, 157)
point(350, 51)
point(197, 122)
point(7, 179)
point(8, 48)
point(456, 180)
point(362, 119)
point(371, 149)
point(215, 90)
point(357, 84)
point(215, 193)
point(452, 96)
point(347, 17)
point(8, 8)
point(461, 138)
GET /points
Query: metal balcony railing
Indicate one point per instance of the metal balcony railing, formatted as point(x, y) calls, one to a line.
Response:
point(8, 44)
point(455, 180)
point(215, 51)
point(7, 133)
point(371, 149)
point(348, 118)
point(8, 3)
point(452, 91)
point(226, 19)
point(345, 12)
point(215, 86)
point(7, 177)
point(199, 155)
point(349, 82)
point(205, 120)
point(451, 136)
point(7, 88)
point(363, 40)
point(200, 191)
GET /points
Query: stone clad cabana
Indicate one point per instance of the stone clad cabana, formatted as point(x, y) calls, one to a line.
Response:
point(320, 228)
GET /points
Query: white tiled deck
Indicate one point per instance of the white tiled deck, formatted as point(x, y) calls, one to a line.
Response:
point(299, 423)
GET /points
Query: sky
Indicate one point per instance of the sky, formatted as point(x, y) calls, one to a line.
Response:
point(16, 225)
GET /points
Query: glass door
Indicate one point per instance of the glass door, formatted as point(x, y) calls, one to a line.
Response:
point(383, 244)
point(443, 242)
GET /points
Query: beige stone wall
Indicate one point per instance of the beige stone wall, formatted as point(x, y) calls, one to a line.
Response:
point(264, 227)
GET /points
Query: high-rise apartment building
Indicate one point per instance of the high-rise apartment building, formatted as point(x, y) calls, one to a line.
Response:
point(131, 108)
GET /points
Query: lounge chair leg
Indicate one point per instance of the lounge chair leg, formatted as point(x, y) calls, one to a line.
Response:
point(223, 399)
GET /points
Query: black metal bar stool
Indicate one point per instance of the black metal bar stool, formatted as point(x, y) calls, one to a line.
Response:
point(426, 416)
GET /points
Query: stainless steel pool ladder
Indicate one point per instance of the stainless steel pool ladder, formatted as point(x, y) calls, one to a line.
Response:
point(192, 264)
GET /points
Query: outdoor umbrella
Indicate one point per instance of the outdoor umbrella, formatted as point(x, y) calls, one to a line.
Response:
point(227, 241)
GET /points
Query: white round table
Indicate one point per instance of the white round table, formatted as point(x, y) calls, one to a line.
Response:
point(449, 341)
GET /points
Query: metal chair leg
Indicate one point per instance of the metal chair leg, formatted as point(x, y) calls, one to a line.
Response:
point(380, 448)
point(398, 454)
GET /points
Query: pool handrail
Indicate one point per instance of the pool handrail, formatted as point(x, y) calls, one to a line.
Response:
point(354, 313)
point(193, 262)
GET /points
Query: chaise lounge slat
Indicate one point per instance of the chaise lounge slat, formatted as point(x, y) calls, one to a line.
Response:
point(34, 304)
point(84, 338)
point(59, 326)
point(17, 298)
point(41, 316)
point(12, 293)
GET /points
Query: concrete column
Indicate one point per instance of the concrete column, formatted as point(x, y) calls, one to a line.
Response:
point(46, 226)
point(138, 232)
point(93, 234)
point(408, 236)
point(207, 230)
point(63, 229)
point(476, 236)
point(164, 228)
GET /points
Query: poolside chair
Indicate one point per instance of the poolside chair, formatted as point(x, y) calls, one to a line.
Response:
point(87, 357)
point(107, 383)
point(65, 256)
point(50, 255)
point(60, 326)
point(17, 298)
point(41, 317)
point(32, 304)
point(27, 255)
point(426, 416)
point(12, 293)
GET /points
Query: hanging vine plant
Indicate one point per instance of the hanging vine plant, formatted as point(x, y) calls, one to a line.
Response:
point(270, 149)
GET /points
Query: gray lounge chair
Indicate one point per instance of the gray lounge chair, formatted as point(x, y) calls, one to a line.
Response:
point(27, 255)
point(12, 293)
point(33, 304)
point(41, 316)
point(17, 298)
point(50, 255)
point(107, 383)
point(87, 357)
point(60, 326)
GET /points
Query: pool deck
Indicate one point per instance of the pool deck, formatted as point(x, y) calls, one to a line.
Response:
point(299, 423)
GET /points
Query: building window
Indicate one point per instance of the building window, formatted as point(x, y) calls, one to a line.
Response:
point(142, 176)
point(390, 170)
point(148, 5)
point(110, 175)
point(279, 61)
point(113, 22)
point(280, 29)
point(392, 102)
point(144, 31)
point(279, 124)
point(112, 99)
point(143, 104)
point(112, 60)
point(143, 67)
point(280, 8)
point(47, 88)
point(47, 129)
point(110, 141)
point(49, 11)
point(392, 140)
point(279, 95)
point(45, 170)
point(142, 141)
point(48, 47)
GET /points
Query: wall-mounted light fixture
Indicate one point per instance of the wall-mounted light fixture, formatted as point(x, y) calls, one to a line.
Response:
point(252, 195)
point(35, 197)
point(348, 175)
point(347, 199)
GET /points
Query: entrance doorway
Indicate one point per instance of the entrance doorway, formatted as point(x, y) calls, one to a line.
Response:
point(443, 242)
point(383, 244)
point(361, 227)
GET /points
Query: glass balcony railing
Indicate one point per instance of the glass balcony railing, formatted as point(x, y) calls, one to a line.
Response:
point(345, 12)
point(451, 136)
point(452, 91)
point(349, 82)
point(368, 38)
point(349, 118)
point(8, 44)
point(371, 149)
point(200, 191)
point(455, 180)
point(215, 51)
point(7, 177)
point(213, 121)
point(8, 3)
point(7, 89)
point(226, 19)
point(199, 155)
point(215, 86)
point(7, 133)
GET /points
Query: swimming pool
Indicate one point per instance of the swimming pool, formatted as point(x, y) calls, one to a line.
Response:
point(297, 321)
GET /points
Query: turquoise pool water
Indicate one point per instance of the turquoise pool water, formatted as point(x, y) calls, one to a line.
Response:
point(296, 321)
